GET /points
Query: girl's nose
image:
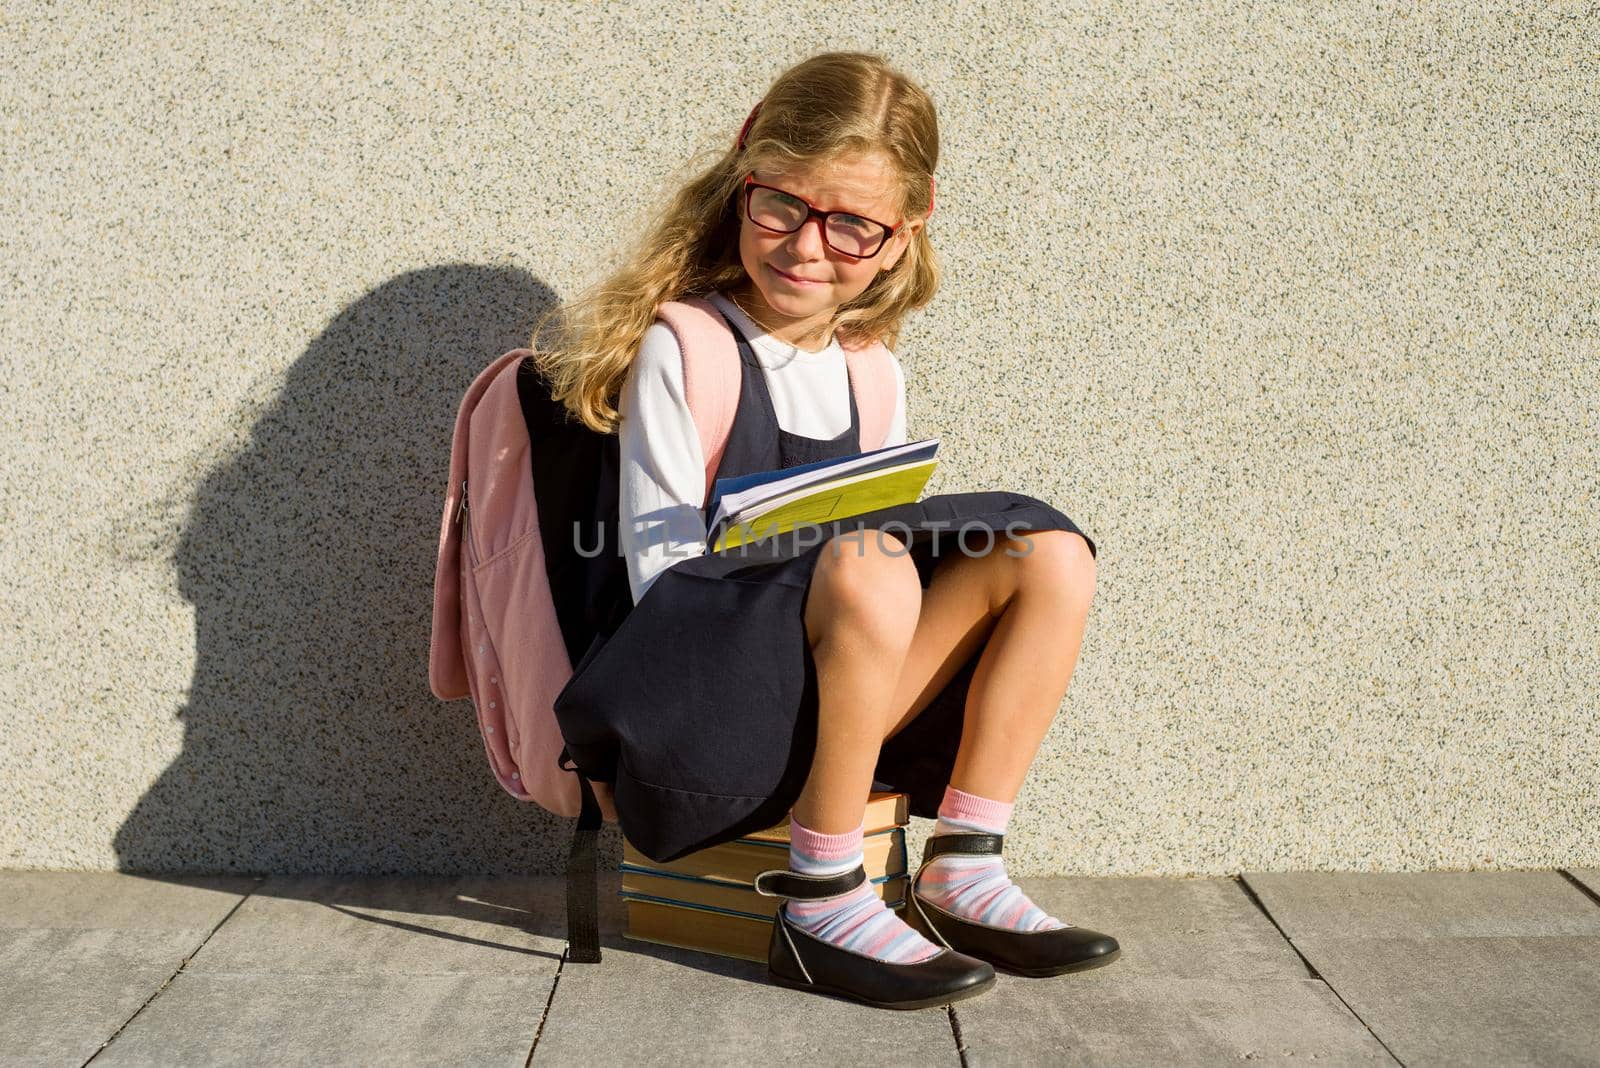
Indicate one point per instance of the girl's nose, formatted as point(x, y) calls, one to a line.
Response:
point(807, 240)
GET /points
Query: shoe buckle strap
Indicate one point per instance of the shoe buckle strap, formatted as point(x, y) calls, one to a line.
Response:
point(971, 844)
point(964, 843)
point(780, 882)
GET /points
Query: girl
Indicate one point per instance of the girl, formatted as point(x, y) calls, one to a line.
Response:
point(881, 658)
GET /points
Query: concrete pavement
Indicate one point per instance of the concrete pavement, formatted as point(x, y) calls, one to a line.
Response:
point(1484, 967)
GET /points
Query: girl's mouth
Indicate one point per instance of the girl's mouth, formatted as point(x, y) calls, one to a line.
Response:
point(791, 279)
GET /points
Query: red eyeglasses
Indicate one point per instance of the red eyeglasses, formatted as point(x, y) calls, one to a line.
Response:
point(782, 212)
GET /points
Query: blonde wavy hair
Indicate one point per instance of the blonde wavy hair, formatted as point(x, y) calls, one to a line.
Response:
point(829, 105)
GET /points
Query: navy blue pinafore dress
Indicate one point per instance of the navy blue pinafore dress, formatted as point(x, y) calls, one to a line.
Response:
point(700, 705)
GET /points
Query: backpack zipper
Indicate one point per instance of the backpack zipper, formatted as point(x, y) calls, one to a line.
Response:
point(462, 511)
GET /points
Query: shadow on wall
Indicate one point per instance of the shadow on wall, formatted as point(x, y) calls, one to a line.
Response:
point(311, 740)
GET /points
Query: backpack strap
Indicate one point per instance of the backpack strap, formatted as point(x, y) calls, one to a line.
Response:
point(583, 891)
point(711, 374)
point(872, 376)
point(711, 379)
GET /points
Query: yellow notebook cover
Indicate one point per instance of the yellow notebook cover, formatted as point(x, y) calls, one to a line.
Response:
point(829, 501)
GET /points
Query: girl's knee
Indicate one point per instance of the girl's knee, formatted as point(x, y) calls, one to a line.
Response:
point(1057, 560)
point(869, 573)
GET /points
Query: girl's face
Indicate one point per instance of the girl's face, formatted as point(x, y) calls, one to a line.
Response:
point(797, 282)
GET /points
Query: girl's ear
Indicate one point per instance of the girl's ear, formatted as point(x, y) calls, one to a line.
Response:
point(899, 243)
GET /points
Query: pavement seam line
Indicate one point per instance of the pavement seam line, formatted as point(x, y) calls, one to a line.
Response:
point(955, 1032)
point(549, 1001)
point(182, 964)
point(1579, 883)
point(1250, 892)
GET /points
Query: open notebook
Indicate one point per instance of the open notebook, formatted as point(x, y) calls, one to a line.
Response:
point(761, 505)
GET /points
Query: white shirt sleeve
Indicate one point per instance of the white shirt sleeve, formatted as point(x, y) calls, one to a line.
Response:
point(660, 520)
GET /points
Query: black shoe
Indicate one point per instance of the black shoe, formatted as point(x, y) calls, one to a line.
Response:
point(1032, 953)
point(796, 958)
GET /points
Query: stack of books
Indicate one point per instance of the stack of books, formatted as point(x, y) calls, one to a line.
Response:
point(707, 899)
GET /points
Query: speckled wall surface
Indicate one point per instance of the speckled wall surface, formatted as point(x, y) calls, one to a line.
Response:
point(1293, 308)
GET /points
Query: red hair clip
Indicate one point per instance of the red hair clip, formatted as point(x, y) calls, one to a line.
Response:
point(739, 144)
point(931, 187)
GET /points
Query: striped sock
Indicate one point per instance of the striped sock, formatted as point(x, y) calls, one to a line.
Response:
point(858, 920)
point(977, 888)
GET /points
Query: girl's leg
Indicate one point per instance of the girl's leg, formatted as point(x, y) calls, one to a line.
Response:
point(1032, 610)
point(1028, 612)
point(860, 613)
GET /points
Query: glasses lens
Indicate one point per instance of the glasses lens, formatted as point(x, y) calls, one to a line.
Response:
point(855, 236)
point(775, 210)
point(780, 212)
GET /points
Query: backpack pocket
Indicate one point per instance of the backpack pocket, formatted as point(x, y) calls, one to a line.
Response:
point(518, 666)
point(664, 823)
point(485, 678)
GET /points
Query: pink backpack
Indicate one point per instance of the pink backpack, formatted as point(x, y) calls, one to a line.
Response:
point(496, 635)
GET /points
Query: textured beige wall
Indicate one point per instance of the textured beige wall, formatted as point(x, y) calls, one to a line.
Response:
point(1293, 310)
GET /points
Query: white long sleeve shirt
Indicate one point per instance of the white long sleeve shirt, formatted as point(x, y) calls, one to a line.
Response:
point(663, 469)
